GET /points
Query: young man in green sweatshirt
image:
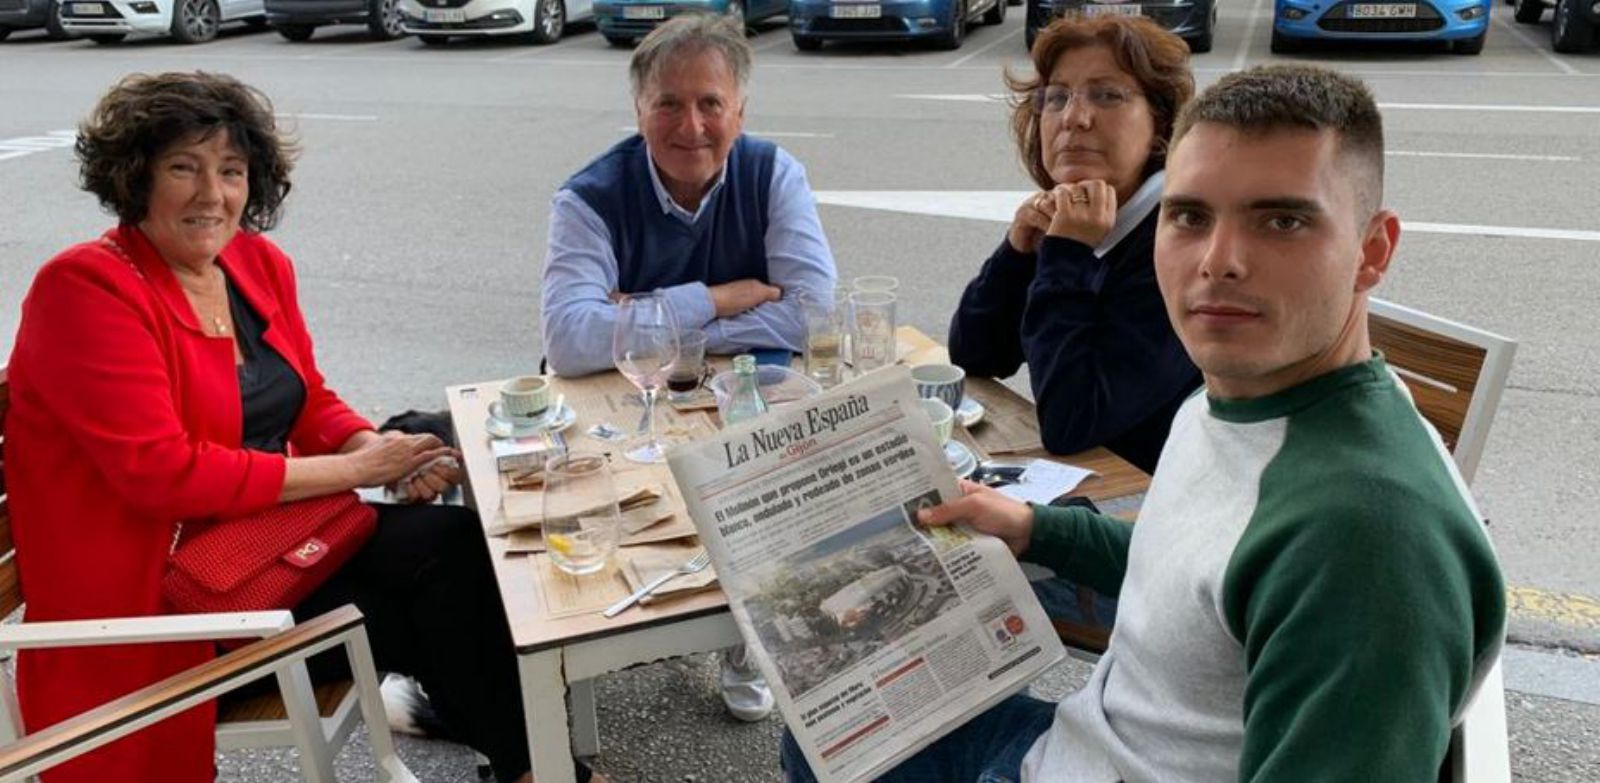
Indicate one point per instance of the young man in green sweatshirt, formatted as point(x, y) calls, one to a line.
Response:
point(1309, 593)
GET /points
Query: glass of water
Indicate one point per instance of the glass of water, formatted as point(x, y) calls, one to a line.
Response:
point(872, 329)
point(582, 521)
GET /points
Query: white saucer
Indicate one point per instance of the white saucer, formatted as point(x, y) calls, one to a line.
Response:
point(970, 412)
point(961, 458)
point(553, 420)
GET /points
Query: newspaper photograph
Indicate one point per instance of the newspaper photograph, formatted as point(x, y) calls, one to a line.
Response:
point(878, 635)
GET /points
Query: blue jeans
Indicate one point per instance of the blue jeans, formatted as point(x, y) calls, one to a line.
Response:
point(987, 749)
point(1066, 600)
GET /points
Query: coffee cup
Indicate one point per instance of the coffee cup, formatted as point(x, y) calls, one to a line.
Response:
point(524, 399)
point(941, 416)
point(945, 382)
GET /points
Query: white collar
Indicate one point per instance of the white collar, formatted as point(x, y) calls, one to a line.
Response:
point(671, 207)
point(1131, 214)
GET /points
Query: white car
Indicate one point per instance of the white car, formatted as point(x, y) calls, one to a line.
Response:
point(189, 21)
point(539, 21)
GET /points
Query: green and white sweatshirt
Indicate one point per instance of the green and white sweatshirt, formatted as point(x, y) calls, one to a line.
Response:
point(1309, 594)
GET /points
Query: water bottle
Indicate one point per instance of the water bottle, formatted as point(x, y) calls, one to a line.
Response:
point(746, 402)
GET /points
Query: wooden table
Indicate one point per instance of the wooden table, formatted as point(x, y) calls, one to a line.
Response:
point(558, 658)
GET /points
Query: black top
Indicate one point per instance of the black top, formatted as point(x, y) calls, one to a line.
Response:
point(269, 390)
point(1106, 367)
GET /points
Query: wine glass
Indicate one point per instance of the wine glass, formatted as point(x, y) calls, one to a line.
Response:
point(644, 346)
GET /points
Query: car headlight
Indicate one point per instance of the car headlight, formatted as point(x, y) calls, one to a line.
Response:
point(1294, 14)
point(1471, 13)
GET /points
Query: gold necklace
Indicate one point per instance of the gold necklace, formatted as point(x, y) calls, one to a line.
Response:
point(221, 327)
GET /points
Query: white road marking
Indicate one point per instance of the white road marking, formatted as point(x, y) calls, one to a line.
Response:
point(23, 146)
point(761, 133)
point(992, 44)
point(1243, 55)
point(998, 206)
point(333, 117)
point(1542, 48)
point(1482, 156)
point(772, 44)
point(1491, 107)
point(958, 97)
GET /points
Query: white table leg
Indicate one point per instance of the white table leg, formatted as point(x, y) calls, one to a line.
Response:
point(585, 724)
point(544, 706)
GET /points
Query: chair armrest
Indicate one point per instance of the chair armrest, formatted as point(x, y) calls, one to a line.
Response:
point(130, 630)
point(183, 690)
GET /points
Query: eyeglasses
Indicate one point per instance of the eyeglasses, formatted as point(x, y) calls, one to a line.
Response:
point(1055, 98)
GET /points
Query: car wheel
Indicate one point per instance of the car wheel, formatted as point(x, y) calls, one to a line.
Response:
point(196, 21)
point(549, 19)
point(806, 43)
point(997, 14)
point(52, 23)
point(5, 32)
point(107, 38)
point(1528, 11)
point(296, 32)
point(1283, 44)
point(618, 40)
point(383, 20)
point(1571, 32)
point(1028, 35)
point(1015, 2)
point(433, 40)
point(958, 27)
point(1473, 45)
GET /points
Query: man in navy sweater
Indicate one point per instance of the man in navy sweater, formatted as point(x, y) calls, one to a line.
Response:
point(721, 224)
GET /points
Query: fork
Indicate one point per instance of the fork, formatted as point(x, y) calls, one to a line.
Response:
point(695, 565)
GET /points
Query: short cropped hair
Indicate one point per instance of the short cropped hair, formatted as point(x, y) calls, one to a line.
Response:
point(1268, 98)
point(1154, 57)
point(143, 115)
point(688, 35)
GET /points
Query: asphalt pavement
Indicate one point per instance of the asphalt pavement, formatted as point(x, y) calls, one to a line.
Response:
point(418, 223)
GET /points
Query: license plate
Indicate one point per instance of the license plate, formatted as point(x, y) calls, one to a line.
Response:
point(445, 16)
point(1383, 11)
point(858, 11)
point(1112, 10)
point(643, 12)
point(88, 9)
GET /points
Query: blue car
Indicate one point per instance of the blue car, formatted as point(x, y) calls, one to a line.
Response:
point(944, 22)
point(1462, 23)
point(624, 21)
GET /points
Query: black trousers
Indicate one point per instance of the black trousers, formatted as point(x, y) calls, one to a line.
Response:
point(433, 612)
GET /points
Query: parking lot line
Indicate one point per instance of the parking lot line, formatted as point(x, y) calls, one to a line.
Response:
point(333, 117)
point(1483, 156)
point(1243, 55)
point(992, 44)
point(1476, 107)
point(1543, 50)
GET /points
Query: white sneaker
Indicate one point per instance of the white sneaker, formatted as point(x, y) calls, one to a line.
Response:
point(408, 708)
point(744, 690)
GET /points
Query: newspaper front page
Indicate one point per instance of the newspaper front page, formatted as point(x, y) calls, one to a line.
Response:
point(877, 635)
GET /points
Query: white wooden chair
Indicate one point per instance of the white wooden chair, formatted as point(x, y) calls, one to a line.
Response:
point(1455, 374)
point(317, 721)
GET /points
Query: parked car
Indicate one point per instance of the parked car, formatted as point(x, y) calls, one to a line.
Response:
point(298, 20)
point(1574, 27)
point(31, 14)
point(1463, 24)
point(624, 21)
point(189, 21)
point(944, 22)
point(539, 21)
point(1195, 21)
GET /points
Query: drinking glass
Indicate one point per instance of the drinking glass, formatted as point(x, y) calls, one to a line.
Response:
point(825, 328)
point(582, 521)
point(885, 283)
point(690, 369)
point(872, 329)
point(644, 346)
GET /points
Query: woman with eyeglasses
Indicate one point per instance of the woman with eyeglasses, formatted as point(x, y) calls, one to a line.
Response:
point(1071, 290)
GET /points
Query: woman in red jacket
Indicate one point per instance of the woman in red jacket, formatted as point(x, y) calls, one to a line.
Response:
point(163, 373)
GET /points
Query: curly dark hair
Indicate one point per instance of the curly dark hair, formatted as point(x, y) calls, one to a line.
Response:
point(1154, 57)
point(144, 115)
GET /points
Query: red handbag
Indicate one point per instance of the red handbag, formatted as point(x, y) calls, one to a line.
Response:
point(271, 559)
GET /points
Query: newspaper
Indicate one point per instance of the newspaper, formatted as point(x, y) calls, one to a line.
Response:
point(878, 636)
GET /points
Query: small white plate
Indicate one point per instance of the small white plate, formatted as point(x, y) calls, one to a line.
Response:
point(553, 420)
point(970, 412)
point(961, 458)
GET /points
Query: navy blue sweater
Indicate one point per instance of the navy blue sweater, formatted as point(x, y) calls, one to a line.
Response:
point(1106, 367)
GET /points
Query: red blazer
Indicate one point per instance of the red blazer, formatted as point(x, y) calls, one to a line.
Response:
point(125, 418)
